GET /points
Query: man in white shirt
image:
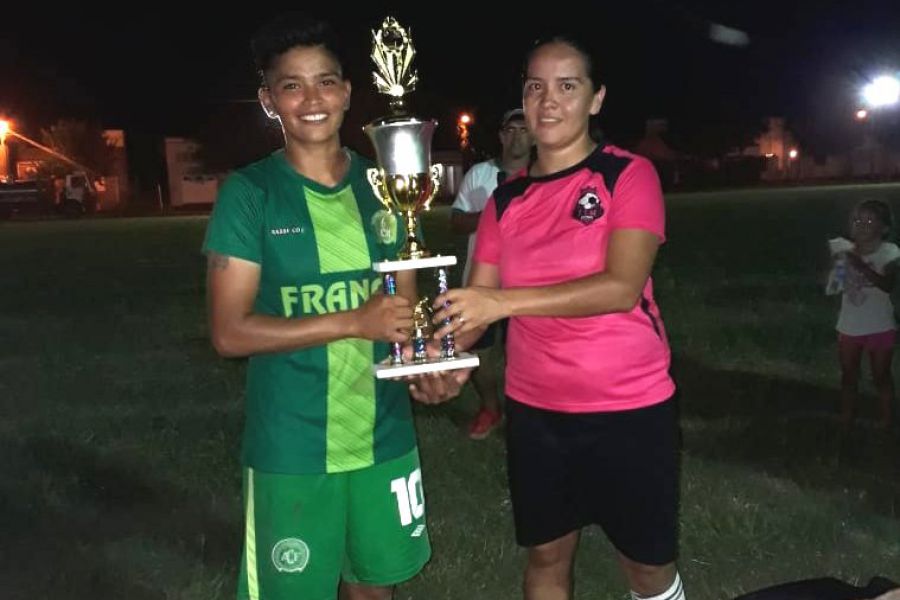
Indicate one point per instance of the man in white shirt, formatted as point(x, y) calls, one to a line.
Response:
point(476, 188)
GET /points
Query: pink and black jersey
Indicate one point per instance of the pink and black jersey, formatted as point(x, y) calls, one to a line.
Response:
point(547, 230)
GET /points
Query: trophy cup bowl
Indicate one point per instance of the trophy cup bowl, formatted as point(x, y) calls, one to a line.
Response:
point(405, 180)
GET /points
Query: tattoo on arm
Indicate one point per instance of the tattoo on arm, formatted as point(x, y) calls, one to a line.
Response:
point(218, 262)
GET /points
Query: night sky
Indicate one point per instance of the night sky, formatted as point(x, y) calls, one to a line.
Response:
point(163, 71)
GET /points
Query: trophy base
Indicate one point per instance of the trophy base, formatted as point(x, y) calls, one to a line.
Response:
point(392, 266)
point(463, 360)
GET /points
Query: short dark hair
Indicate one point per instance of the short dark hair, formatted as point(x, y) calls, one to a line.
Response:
point(292, 30)
point(880, 209)
point(590, 65)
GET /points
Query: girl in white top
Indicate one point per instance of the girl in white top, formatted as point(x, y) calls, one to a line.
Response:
point(866, 321)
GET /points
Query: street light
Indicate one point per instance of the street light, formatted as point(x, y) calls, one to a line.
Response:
point(862, 114)
point(793, 153)
point(462, 128)
point(881, 92)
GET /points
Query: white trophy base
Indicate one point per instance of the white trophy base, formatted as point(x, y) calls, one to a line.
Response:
point(463, 360)
point(391, 266)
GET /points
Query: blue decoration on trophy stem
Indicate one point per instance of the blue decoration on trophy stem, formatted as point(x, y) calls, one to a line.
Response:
point(448, 343)
point(390, 288)
point(419, 353)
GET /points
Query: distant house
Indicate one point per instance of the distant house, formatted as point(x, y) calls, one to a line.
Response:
point(452, 161)
point(29, 163)
point(654, 146)
point(188, 183)
point(787, 160)
point(872, 159)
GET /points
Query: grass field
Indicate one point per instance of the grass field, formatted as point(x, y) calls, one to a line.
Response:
point(120, 426)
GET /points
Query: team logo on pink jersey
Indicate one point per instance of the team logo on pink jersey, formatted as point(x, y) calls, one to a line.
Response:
point(588, 209)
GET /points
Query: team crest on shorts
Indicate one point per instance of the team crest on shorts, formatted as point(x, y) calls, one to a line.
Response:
point(588, 208)
point(384, 224)
point(290, 555)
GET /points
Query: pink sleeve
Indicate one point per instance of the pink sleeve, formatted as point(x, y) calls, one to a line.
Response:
point(637, 201)
point(487, 238)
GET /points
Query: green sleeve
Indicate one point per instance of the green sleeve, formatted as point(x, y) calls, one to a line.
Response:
point(236, 225)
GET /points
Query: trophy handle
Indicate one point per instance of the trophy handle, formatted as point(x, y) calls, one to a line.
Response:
point(376, 180)
point(437, 172)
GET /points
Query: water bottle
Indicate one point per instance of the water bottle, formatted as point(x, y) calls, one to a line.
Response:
point(838, 275)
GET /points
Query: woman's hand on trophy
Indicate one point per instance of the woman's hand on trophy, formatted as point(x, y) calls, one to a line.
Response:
point(384, 318)
point(435, 387)
point(468, 309)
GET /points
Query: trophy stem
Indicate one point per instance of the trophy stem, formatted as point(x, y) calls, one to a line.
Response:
point(412, 248)
point(390, 288)
point(398, 106)
point(448, 342)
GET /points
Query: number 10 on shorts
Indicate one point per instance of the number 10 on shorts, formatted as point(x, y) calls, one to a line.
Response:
point(410, 498)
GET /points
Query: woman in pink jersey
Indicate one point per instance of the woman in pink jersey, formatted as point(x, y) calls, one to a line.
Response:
point(565, 250)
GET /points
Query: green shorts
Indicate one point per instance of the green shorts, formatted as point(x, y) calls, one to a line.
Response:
point(304, 533)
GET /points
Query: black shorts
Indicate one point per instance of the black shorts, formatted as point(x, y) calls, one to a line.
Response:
point(618, 470)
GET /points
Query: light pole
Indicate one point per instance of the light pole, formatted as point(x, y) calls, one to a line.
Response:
point(462, 130)
point(793, 153)
point(4, 151)
point(878, 95)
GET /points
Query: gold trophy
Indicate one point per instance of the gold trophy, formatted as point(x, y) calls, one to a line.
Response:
point(406, 182)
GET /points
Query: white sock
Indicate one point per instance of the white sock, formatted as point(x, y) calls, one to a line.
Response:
point(675, 592)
